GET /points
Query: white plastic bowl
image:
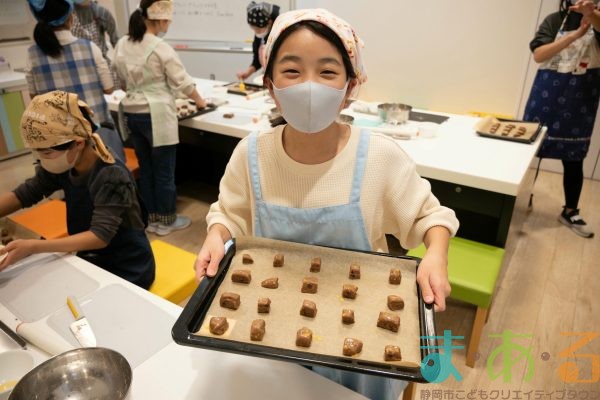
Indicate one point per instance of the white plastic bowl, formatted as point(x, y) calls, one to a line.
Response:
point(14, 364)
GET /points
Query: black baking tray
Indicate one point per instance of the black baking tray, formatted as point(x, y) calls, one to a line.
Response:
point(513, 139)
point(233, 88)
point(193, 314)
point(200, 111)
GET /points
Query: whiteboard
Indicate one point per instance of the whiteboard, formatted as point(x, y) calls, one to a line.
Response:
point(13, 12)
point(210, 20)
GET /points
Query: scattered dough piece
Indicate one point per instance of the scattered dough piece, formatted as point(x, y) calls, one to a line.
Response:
point(257, 330)
point(218, 325)
point(228, 115)
point(308, 309)
point(395, 276)
point(310, 285)
point(278, 260)
point(354, 271)
point(304, 337)
point(389, 321)
point(395, 302)
point(392, 353)
point(347, 316)
point(247, 259)
point(241, 276)
point(230, 300)
point(264, 305)
point(315, 264)
point(352, 346)
point(270, 283)
point(349, 291)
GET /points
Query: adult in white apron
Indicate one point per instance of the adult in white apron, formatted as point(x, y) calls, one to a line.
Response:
point(151, 71)
point(286, 185)
point(565, 94)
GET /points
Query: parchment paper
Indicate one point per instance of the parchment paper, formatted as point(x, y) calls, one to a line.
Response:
point(484, 126)
point(329, 332)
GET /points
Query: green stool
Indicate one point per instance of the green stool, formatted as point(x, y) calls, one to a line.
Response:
point(472, 271)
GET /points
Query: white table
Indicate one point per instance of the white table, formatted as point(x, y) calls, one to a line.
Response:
point(172, 372)
point(477, 176)
point(12, 81)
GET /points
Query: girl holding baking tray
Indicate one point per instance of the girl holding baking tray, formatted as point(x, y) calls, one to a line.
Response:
point(321, 182)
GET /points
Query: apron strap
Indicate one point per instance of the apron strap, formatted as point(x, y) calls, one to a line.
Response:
point(253, 165)
point(360, 165)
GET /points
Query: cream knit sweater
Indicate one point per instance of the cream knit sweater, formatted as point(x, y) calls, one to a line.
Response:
point(394, 198)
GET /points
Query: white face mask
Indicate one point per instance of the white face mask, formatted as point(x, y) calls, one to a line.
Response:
point(161, 34)
point(59, 164)
point(310, 107)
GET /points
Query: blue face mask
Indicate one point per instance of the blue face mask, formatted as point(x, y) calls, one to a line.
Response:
point(77, 2)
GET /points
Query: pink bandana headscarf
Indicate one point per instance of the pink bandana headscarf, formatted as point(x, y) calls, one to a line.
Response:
point(346, 33)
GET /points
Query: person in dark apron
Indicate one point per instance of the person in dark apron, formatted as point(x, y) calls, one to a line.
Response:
point(260, 17)
point(317, 181)
point(565, 95)
point(105, 217)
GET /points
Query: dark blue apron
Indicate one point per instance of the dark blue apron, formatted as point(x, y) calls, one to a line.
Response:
point(128, 255)
point(567, 105)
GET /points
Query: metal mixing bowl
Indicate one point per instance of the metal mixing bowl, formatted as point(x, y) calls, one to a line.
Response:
point(86, 373)
point(394, 113)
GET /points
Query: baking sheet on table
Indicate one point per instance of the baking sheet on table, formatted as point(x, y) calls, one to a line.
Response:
point(250, 89)
point(532, 129)
point(201, 111)
point(329, 332)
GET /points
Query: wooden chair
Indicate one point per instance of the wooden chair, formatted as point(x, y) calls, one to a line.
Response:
point(473, 269)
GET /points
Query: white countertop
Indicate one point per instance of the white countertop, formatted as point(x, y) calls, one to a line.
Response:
point(12, 79)
point(173, 371)
point(456, 154)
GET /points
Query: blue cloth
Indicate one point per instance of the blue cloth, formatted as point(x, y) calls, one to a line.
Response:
point(73, 71)
point(37, 6)
point(567, 105)
point(157, 167)
point(339, 226)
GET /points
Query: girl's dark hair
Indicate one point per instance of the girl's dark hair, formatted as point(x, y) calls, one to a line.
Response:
point(137, 24)
point(43, 34)
point(274, 12)
point(319, 29)
point(564, 7)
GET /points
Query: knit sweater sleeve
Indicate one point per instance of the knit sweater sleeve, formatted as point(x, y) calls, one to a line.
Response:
point(233, 209)
point(410, 208)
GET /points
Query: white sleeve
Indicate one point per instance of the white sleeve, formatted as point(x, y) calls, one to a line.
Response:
point(102, 67)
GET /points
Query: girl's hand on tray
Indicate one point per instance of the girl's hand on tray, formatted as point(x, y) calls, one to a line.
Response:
point(432, 277)
point(212, 251)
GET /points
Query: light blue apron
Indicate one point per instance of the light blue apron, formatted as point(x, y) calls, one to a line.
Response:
point(339, 226)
